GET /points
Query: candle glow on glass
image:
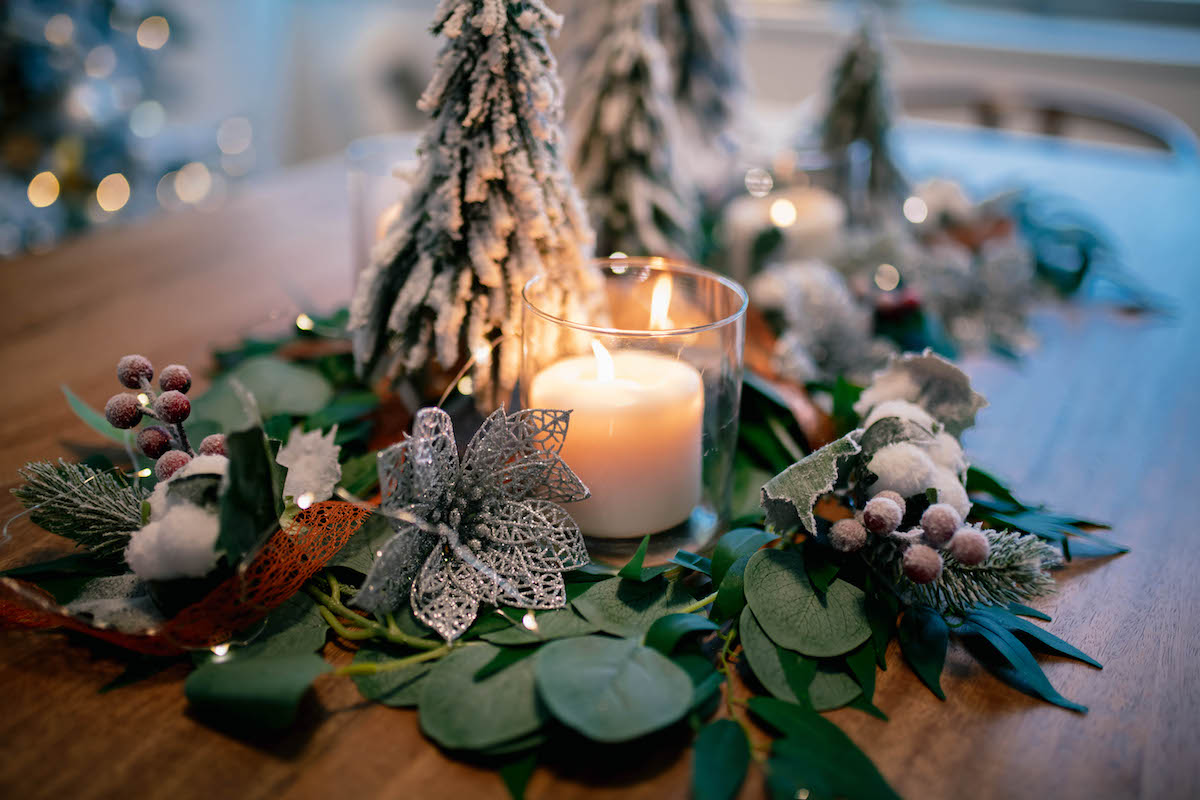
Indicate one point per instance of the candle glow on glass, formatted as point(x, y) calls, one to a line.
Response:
point(660, 303)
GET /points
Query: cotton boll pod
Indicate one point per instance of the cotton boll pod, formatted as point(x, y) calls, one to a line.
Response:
point(922, 564)
point(970, 546)
point(947, 453)
point(939, 522)
point(847, 535)
point(882, 515)
point(903, 409)
point(950, 491)
point(903, 468)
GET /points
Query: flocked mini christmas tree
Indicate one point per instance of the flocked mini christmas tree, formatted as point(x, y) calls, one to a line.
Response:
point(702, 39)
point(860, 109)
point(625, 133)
point(491, 206)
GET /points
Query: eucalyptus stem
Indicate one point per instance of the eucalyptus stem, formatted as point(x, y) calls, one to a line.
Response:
point(364, 627)
point(699, 604)
point(723, 655)
point(372, 668)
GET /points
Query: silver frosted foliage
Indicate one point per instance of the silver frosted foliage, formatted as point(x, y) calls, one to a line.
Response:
point(483, 528)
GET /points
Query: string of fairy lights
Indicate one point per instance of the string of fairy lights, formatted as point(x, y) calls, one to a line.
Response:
point(82, 138)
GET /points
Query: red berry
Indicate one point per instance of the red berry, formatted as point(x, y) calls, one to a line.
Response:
point(970, 546)
point(175, 378)
point(123, 411)
point(940, 521)
point(171, 462)
point(133, 369)
point(882, 515)
point(847, 535)
point(154, 440)
point(172, 407)
point(895, 498)
point(213, 445)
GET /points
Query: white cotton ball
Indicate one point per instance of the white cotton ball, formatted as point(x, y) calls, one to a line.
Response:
point(950, 491)
point(158, 500)
point(204, 465)
point(904, 410)
point(946, 453)
point(903, 468)
point(893, 384)
point(180, 545)
point(944, 197)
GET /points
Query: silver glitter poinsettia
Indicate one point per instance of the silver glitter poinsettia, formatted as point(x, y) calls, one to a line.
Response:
point(486, 528)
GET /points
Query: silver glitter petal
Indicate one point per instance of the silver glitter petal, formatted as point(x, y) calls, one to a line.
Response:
point(483, 529)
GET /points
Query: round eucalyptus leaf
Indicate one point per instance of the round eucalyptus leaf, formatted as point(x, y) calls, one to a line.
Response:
point(611, 690)
point(795, 616)
point(400, 688)
point(461, 713)
point(830, 687)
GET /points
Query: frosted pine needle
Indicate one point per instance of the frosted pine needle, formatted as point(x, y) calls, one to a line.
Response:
point(96, 509)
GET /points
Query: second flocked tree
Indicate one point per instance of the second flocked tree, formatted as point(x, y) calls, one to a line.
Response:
point(491, 206)
point(860, 109)
point(625, 133)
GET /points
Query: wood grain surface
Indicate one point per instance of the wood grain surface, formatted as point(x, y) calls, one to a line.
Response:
point(1101, 421)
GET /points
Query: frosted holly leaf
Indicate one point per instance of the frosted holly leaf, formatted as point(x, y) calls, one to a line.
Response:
point(789, 497)
point(312, 464)
point(929, 381)
point(480, 529)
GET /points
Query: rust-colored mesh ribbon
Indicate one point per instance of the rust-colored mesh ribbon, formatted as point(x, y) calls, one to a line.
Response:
point(289, 558)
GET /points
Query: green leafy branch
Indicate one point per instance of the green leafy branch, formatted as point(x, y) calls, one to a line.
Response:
point(96, 509)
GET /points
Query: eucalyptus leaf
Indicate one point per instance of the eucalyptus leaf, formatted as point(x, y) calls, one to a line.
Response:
point(924, 638)
point(828, 688)
point(794, 616)
point(720, 759)
point(666, 631)
point(278, 386)
point(259, 692)
point(693, 562)
point(931, 382)
point(862, 666)
point(558, 623)
point(94, 419)
point(706, 680)
point(815, 755)
point(634, 570)
point(461, 713)
point(611, 690)
point(295, 627)
point(733, 545)
point(629, 608)
point(359, 553)
point(252, 500)
point(399, 688)
point(789, 497)
point(503, 660)
point(731, 594)
point(360, 474)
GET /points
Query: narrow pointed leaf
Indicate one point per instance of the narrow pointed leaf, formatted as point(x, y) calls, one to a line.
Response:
point(924, 637)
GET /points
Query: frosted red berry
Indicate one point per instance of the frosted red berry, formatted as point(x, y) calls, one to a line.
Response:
point(847, 535)
point(175, 378)
point(970, 546)
point(172, 407)
point(133, 369)
point(123, 411)
point(895, 498)
point(171, 462)
point(213, 445)
point(922, 564)
point(154, 440)
point(882, 515)
point(940, 521)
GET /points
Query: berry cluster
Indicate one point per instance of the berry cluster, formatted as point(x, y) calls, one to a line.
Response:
point(941, 528)
point(168, 442)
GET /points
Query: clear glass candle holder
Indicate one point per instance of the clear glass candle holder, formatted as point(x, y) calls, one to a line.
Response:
point(653, 379)
point(378, 171)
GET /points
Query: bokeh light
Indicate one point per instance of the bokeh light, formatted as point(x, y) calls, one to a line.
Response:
point(915, 210)
point(783, 213)
point(113, 192)
point(43, 189)
point(59, 29)
point(147, 118)
point(153, 33)
point(193, 182)
point(100, 62)
point(887, 277)
point(759, 182)
point(234, 135)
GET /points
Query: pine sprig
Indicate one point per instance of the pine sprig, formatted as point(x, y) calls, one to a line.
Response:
point(1015, 571)
point(94, 508)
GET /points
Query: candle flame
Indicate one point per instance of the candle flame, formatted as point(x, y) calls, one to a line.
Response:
point(605, 371)
point(660, 301)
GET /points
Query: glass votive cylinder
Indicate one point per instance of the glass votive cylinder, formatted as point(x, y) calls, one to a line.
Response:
point(653, 382)
point(379, 170)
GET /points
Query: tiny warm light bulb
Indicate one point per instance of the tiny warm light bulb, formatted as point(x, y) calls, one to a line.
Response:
point(220, 649)
point(660, 302)
point(605, 369)
point(619, 254)
point(143, 398)
point(304, 500)
point(465, 386)
point(482, 354)
point(304, 322)
point(144, 472)
point(887, 277)
point(529, 621)
point(783, 213)
point(43, 190)
point(915, 210)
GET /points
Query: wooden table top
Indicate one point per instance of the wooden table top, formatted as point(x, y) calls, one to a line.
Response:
point(1102, 420)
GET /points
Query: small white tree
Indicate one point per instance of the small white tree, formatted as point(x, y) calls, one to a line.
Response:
point(703, 41)
point(625, 133)
point(491, 206)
